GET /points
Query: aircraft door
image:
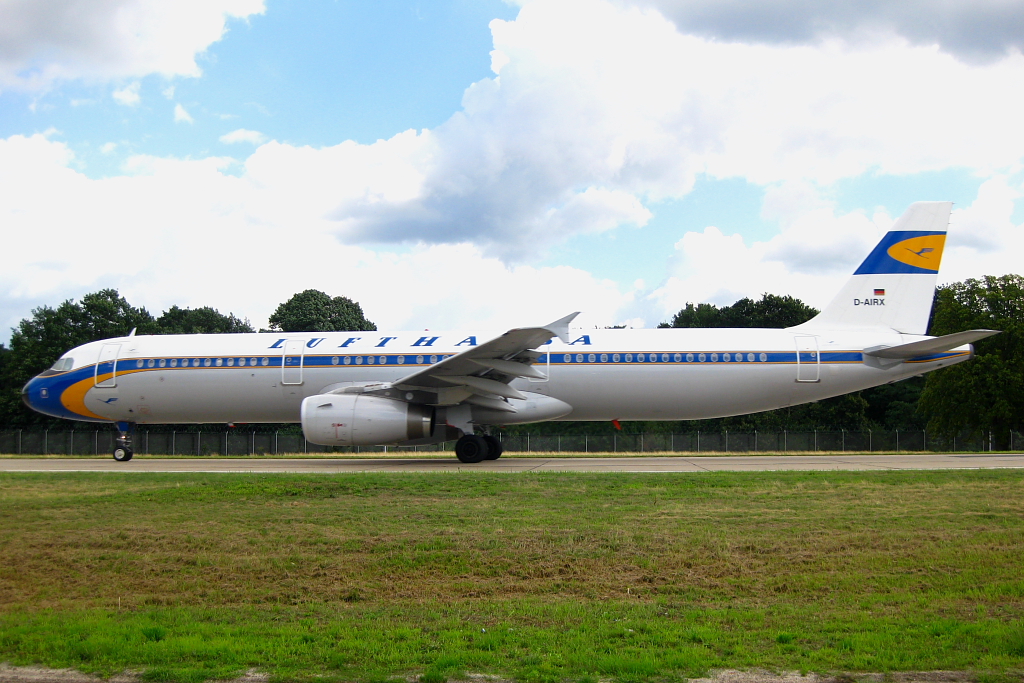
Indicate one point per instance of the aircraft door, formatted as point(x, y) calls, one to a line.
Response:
point(292, 360)
point(808, 360)
point(106, 363)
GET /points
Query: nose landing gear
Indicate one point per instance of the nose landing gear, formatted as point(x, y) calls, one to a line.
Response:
point(123, 443)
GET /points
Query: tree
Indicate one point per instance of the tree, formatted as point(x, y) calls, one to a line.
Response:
point(314, 311)
point(770, 311)
point(985, 394)
point(203, 320)
point(40, 340)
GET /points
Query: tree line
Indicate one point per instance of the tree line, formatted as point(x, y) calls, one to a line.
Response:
point(37, 342)
point(983, 395)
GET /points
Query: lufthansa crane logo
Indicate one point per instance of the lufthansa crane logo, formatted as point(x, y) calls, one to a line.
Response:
point(923, 252)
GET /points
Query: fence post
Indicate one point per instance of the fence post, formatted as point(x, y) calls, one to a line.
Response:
point(641, 442)
point(199, 442)
point(844, 439)
point(559, 442)
point(174, 435)
point(726, 440)
point(897, 441)
point(276, 451)
point(19, 442)
point(785, 440)
point(815, 440)
point(586, 443)
point(46, 441)
point(615, 443)
point(924, 439)
point(869, 441)
point(71, 444)
point(96, 442)
point(698, 441)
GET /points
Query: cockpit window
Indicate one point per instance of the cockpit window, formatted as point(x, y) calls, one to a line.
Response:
point(63, 365)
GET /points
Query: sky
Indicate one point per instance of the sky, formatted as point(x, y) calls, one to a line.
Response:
point(479, 164)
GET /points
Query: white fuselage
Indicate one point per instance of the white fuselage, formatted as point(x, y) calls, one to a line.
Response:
point(663, 374)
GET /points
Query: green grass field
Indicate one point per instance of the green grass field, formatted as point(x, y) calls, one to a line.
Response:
point(553, 577)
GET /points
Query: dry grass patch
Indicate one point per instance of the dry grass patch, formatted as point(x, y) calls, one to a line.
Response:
point(852, 570)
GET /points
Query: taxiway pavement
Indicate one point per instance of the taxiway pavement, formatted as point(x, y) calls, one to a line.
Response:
point(324, 465)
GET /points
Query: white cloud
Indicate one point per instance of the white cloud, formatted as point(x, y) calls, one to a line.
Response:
point(594, 100)
point(45, 41)
point(108, 147)
point(168, 92)
point(971, 29)
point(128, 95)
point(595, 111)
point(983, 240)
point(182, 116)
point(244, 244)
point(818, 249)
point(253, 137)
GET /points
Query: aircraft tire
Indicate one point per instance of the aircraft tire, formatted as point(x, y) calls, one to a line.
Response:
point(122, 454)
point(494, 448)
point(471, 448)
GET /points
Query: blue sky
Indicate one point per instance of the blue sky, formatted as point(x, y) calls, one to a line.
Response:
point(480, 163)
point(308, 73)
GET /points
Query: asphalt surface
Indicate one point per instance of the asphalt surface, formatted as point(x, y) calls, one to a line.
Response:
point(751, 463)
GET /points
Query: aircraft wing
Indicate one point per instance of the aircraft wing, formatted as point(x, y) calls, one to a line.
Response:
point(482, 374)
point(926, 346)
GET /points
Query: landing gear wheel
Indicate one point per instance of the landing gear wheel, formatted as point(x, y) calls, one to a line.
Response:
point(123, 442)
point(494, 447)
point(471, 448)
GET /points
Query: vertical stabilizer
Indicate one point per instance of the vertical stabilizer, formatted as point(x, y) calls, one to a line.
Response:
point(895, 284)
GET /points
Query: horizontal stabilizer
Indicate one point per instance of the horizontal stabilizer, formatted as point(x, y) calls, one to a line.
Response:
point(926, 346)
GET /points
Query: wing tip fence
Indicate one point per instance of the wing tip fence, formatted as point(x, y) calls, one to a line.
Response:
point(234, 442)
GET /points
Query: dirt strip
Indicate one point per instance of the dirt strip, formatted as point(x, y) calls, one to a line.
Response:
point(34, 674)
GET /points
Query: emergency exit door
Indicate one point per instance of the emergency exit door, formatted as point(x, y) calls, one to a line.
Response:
point(808, 360)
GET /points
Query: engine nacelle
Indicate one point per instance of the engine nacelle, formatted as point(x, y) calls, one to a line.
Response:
point(358, 420)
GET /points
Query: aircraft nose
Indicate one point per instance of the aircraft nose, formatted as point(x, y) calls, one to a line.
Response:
point(24, 395)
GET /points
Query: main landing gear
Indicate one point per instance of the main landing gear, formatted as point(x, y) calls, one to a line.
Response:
point(472, 448)
point(123, 443)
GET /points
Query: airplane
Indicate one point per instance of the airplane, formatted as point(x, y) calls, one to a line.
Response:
point(411, 388)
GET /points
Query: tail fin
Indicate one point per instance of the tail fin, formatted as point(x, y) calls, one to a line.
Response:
point(895, 285)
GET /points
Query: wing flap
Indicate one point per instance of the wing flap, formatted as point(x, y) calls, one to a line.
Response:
point(488, 386)
point(509, 367)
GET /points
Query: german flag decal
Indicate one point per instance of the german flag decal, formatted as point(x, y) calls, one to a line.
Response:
point(879, 292)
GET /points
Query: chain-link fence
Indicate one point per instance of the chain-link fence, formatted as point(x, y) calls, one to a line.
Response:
point(239, 442)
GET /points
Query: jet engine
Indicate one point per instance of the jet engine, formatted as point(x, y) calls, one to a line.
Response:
point(358, 420)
